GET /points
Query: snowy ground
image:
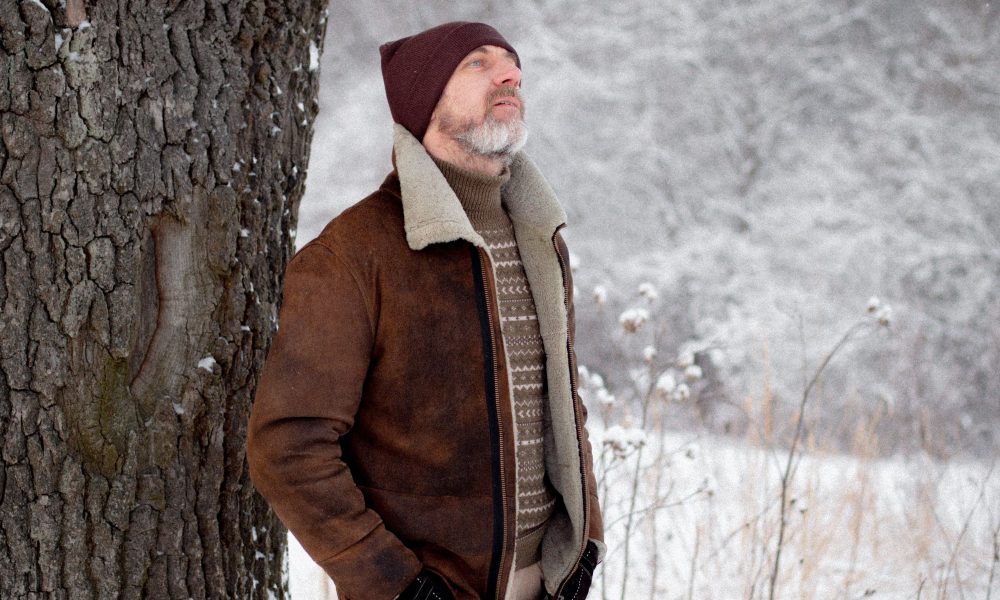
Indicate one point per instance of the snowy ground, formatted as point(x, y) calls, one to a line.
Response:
point(857, 527)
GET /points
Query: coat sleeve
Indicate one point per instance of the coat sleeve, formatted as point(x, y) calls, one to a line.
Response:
point(596, 529)
point(305, 403)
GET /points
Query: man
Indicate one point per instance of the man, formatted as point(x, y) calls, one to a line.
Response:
point(417, 425)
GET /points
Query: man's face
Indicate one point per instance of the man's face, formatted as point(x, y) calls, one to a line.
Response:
point(481, 106)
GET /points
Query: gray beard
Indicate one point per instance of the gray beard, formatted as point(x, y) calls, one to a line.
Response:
point(492, 138)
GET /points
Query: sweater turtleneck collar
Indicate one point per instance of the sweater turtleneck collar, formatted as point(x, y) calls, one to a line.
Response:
point(479, 194)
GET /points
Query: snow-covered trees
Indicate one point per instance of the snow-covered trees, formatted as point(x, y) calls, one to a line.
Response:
point(765, 164)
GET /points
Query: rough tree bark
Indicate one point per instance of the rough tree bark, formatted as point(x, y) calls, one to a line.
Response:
point(153, 154)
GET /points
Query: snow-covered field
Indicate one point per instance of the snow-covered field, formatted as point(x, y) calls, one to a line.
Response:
point(856, 527)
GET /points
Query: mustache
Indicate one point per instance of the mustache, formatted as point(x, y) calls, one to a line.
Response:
point(506, 91)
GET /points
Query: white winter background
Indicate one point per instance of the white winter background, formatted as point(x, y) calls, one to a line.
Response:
point(744, 181)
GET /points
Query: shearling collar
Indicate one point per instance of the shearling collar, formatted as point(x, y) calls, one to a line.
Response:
point(433, 214)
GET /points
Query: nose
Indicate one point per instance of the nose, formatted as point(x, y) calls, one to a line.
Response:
point(508, 74)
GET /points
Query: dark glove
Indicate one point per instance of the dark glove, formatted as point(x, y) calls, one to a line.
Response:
point(578, 584)
point(427, 586)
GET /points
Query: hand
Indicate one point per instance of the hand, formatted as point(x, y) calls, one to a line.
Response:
point(578, 585)
point(427, 586)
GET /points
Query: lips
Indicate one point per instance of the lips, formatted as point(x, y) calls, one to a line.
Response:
point(506, 96)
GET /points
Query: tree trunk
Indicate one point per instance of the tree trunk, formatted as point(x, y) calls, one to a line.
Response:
point(152, 159)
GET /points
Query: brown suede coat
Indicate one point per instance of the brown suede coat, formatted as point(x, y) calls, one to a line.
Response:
point(382, 431)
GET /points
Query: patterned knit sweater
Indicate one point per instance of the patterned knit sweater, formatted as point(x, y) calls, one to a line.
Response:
point(480, 195)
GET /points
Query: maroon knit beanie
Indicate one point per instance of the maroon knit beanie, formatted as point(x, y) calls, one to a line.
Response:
point(415, 69)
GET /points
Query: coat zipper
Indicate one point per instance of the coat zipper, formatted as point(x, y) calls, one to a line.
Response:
point(481, 259)
point(576, 417)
